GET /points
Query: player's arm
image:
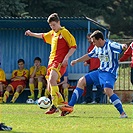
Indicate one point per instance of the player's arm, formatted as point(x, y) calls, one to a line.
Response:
point(14, 75)
point(33, 71)
point(24, 76)
point(71, 43)
point(117, 47)
point(65, 61)
point(37, 35)
point(81, 59)
point(124, 46)
point(42, 72)
point(21, 77)
point(86, 63)
point(126, 54)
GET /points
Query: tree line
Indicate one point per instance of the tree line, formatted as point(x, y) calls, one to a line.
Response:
point(117, 15)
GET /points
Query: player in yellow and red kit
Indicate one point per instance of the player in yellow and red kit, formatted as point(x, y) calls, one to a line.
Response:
point(18, 82)
point(3, 84)
point(37, 78)
point(63, 45)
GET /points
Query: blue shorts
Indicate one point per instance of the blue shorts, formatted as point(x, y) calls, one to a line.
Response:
point(98, 77)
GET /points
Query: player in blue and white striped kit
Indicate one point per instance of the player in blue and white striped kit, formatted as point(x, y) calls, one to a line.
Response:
point(105, 76)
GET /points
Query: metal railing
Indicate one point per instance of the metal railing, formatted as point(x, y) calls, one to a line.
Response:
point(124, 77)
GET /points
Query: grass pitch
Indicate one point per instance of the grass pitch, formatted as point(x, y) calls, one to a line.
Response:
point(99, 118)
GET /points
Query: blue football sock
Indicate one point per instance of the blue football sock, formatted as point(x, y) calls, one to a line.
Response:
point(117, 103)
point(75, 96)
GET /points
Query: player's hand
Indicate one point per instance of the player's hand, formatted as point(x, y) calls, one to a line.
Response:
point(73, 62)
point(28, 33)
point(65, 63)
point(35, 65)
point(85, 64)
point(124, 46)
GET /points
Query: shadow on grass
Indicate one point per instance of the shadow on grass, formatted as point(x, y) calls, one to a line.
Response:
point(90, 117)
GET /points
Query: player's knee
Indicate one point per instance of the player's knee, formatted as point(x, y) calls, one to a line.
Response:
point(108, 91)
point(8, 88)
point(40, 79)
point(31, 80)
point(82, 82)
point(19, 89)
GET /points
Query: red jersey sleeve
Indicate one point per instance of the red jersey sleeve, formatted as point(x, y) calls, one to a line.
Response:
point(126, 54)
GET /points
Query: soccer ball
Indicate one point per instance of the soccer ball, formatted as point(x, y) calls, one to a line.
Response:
point(29, 101)
point(44, 102)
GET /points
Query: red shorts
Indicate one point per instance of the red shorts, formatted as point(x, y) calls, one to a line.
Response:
point(15, 84)
point(57, 67)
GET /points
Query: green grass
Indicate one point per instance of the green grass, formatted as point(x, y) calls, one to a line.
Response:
point(102, 118)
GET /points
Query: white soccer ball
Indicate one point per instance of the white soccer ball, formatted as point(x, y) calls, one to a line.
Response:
point(30, 101)
point(44, 102)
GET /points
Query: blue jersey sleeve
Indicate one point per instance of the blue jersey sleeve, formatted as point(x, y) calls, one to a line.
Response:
point(116, 47)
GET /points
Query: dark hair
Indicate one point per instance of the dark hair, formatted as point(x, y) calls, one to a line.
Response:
point(89, 34)
point(38, 58)
point(53, 17)
point(21, 60)
point(97, 34)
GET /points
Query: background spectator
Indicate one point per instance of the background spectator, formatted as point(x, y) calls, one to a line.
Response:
point(37, 78)
point(18, 82)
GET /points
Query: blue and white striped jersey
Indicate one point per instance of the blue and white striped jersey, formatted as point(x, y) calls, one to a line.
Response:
point(108, 55)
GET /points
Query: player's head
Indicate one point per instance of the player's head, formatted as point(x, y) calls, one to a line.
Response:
point(88, 38)
point(97, 38)
point(37, 61)
point(54, 22)
point(21, 63)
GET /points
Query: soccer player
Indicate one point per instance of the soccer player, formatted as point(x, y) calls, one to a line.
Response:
point(129, 53)
point(94, 64)
point(63, 45)
point(3, 127)
point(18, 82)
point(3, 84)
point(106, 75)
point(37, 78)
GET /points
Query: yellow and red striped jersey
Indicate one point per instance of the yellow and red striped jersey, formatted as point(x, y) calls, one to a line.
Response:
point(60, 42)
point(20, 73)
